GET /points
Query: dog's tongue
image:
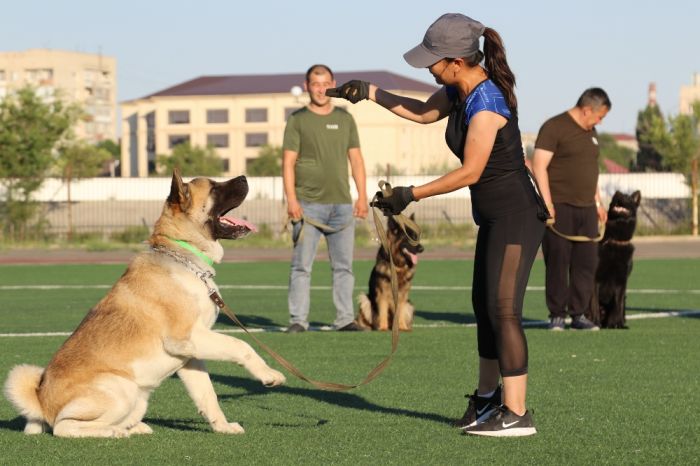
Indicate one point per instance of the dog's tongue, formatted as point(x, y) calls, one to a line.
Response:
point(414, 257)
point(239, 222)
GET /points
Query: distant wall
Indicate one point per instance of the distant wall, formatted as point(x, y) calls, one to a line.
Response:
point(109, 205)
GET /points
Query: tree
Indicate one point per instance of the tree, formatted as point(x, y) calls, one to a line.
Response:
point(267, 163)
point(79, 160)
point(611, 150)
point(648, 158)
point(192, 161)
point(30, 130)
point(115, 150)
point(678, 142)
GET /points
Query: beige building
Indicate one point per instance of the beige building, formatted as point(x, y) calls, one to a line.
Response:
point(88, 79)
point(690, 94)
point(240, 113)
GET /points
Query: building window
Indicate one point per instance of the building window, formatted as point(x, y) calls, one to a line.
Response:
point(217, 140)
point(226, 165)
point(177, 139)
point(39, 75)
point(2, 75)
point(255, 115)
point(150, 119)
point(255, 139)
point(217, 116)
point(179, 117)
point(101, 93)
point(288, 111)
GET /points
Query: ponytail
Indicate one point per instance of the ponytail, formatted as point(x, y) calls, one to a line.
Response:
point(497, 67)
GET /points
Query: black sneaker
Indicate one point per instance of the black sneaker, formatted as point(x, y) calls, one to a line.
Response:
point(295, 328)
point(556, 324)
point(479, 408)
point(504, 423)
point(351, 327)
point(582, 323)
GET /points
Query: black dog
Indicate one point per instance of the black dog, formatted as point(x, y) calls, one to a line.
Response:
point(615, 262)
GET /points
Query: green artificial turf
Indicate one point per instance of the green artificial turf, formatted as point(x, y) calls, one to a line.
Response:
point(608, 397)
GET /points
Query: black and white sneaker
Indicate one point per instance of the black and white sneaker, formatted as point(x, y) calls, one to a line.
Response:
point(582, 323)
point(478, 408)
point(504, 423)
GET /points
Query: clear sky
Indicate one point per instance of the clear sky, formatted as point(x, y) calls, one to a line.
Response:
point(555, 48)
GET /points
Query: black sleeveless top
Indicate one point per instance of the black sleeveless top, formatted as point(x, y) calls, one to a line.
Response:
point(505, 186)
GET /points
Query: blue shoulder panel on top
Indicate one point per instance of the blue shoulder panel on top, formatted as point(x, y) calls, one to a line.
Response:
point(486, 96)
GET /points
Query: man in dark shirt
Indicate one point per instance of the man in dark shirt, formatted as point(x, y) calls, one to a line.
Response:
point(565, 164)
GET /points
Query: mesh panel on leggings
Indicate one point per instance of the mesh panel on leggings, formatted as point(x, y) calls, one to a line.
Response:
point(510, 338)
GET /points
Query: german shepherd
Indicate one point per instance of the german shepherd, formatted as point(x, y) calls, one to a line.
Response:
point(155, 321)
point(615, 252)
point(377, 310)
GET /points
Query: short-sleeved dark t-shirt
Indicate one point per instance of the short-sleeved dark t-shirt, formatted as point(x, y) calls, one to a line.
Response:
point(573, 170)
point(322, 143)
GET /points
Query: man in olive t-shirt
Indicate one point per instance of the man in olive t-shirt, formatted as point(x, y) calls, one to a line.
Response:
point(319, 140)
point(565, 164)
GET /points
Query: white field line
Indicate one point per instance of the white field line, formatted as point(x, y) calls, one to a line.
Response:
point(324, 287)
point(325, 328)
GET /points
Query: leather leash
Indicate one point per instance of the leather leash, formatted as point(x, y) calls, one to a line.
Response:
point(578, 238)
point(406, 225)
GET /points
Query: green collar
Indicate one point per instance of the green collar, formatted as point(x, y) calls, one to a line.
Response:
point(193, 250)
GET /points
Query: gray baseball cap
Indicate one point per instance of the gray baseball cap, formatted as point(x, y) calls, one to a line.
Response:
point(452, 35)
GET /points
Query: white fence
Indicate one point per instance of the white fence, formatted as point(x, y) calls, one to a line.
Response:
point(651, 185)
point(111, 205)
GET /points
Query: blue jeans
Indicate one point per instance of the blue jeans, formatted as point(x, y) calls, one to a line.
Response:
point(340, 250)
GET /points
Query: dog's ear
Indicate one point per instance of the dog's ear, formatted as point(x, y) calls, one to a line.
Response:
point(637, 197)
point(179, 192)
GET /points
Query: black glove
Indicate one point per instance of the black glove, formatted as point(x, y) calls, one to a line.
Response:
point(394, 204)
point(354, 91)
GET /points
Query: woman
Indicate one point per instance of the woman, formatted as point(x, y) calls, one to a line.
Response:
point(483, 132)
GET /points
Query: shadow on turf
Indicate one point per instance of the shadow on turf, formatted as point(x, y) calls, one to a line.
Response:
point(16, 424)
point(248, 321)
point(462, 318)
point(446, 316)
point(345, 400)
point(191, 425)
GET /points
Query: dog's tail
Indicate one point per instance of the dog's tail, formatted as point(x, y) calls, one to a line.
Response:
point(364, 315)
point(21, 389)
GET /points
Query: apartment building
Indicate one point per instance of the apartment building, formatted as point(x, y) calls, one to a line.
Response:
point(237, 114)
point(85, 78)
point(690, 94)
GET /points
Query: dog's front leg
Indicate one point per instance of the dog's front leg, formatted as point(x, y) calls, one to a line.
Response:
point(216, 346)
point(196, 379)
point(382, 322)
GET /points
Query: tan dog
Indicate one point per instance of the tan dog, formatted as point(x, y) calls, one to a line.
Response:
point(377, 310)
point(154, 322)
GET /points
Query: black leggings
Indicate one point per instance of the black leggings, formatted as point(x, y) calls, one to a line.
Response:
point(505, 250)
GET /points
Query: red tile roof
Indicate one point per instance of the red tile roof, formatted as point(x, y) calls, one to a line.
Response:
point(623, 137)
point(613, 167)
point(282, 83)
